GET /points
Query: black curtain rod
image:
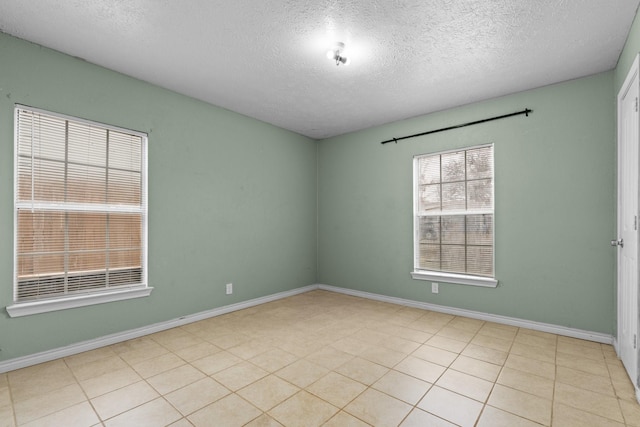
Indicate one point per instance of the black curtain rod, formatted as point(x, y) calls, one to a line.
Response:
point(517, 113)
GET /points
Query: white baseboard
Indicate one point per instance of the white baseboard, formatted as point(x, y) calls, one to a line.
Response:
point(512, 321)
point(46, 356)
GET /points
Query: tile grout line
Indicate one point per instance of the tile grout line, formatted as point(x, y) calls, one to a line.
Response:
point(275, 343)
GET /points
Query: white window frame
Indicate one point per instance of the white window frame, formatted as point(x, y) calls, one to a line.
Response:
point(440, 276)
point(29, 307)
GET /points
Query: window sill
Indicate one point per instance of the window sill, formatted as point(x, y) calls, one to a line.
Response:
point(44, 306)
point(459, 279)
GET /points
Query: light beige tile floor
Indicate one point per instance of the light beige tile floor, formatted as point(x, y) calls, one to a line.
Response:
point(324, 358)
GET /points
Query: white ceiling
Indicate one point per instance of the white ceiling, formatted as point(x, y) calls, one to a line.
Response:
point(266, 58)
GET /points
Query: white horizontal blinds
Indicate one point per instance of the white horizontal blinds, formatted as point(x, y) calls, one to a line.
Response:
point(455, 212)
point(80, 211)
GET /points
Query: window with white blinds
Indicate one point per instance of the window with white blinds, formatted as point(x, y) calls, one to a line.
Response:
point(80, 207)
point(454, 215)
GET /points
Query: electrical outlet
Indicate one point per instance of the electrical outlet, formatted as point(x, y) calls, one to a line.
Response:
point(434, 288)
point(229, 288)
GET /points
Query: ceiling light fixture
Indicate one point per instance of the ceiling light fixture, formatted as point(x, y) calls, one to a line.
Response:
point(336, 52)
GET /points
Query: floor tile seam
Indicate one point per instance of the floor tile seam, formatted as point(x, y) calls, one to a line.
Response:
point(430, 361)
point(290, 383)
point(251, 356)
point(159, 341)
point(84, 392)
point(519, 339)
point(495, 383)
point(407, 415)
point(183, 415)
point(515, 415)
point(359, 357)
point(438, 416)
point(336, 367)
point(484, 407)
point(179, 388)
point(12, 403)
point(579, 341)
point(535, 374)
point(55, 412)
point(79, 381)
point(602, 360)
point(12, 388)
point(134, 350)
point(588, 389)
point(414, 405)
point(468, 373)
point(521, 416)
point(611, 375)
point(405, 356)
point(511, 340)
point(583, 344)
point(466, 344)
point(624, 418)
point(76, 382)
point(67, 359)
point(160, 396)
point(589, 411)
point(291, 397)
point(502, 366)
point(473, 337)
point(133, 365)
point(554, 402)
point(408, 326)
point(58, 410)
point(351, 415)
point(346, 404)
point(608, 375)
point(298, 389)
point(270, 372)
point(610, 396)
point(184, 362)
point(142, 380)
point(482, 322)
point(484, 402)
point(248, 422)
point(537, 342)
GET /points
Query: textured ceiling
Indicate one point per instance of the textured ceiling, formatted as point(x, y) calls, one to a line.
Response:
point(266, 58)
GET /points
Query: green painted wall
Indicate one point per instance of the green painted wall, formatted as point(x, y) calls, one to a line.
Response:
point(631, 49)
point(224, 191)
point(555, 205)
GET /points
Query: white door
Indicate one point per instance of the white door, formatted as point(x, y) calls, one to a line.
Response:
point(627, 242)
